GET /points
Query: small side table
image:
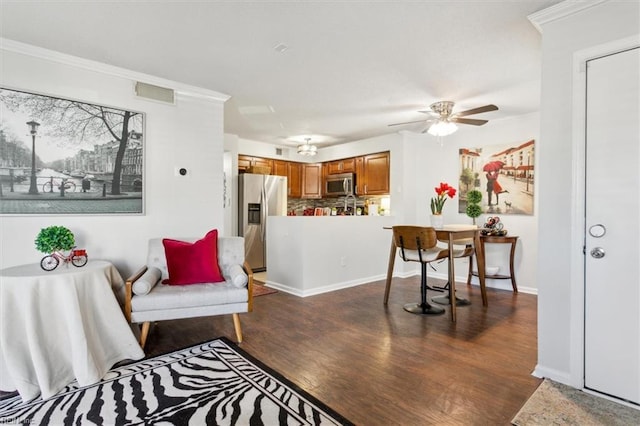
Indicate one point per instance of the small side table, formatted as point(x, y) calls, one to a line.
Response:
point(507, 239)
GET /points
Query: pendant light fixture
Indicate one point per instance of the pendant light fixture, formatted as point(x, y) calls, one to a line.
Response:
point(307, 149)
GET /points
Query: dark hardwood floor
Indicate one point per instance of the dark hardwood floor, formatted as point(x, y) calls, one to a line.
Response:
point(384, 366)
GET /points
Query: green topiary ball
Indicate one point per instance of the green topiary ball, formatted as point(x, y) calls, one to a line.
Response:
point(474, 210)
point(55, 238)
point(474, 196)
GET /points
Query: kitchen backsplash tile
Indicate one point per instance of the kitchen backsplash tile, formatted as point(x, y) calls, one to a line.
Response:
point(298, 205)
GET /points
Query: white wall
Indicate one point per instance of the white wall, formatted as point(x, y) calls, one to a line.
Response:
point(231, 175)
point(188, 134)
point(565, 37)
point(418, 164)
point(513, 131)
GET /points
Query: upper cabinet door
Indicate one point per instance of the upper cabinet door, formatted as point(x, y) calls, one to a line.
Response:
point(294, 179)
point(246, 162)
point(359, 169)
point(280, 168)
point(376, 169)
point(334, 167)
point(347, 165)
point(262, 162)
point(312, 180)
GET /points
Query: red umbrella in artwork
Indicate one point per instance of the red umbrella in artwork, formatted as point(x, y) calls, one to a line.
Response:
point(493, 166)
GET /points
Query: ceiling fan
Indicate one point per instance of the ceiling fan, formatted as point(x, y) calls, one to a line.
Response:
point(442, 122)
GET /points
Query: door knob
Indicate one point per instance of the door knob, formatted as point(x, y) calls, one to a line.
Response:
point(597, 252)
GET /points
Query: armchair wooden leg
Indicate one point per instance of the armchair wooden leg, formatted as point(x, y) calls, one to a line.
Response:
point(238, 327)
point(144, 333)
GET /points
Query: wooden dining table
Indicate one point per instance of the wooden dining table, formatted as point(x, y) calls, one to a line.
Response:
point(452, 235)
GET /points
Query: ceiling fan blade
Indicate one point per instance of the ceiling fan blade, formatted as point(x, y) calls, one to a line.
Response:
point(478, 110)
point(407, 122)
point(472, 121)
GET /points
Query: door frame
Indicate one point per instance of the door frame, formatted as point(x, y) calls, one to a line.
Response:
point(578, 201)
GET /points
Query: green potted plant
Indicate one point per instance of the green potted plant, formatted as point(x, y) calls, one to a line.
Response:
point(55, 238)
point(473, 204)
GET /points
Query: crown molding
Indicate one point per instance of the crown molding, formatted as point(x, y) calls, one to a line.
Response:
point(560, 10)
point(75, 61)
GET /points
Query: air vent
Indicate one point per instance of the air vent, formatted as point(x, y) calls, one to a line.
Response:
point(278, 151)
point(156, 93)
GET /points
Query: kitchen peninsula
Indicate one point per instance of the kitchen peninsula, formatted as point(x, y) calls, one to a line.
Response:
point(310, 255)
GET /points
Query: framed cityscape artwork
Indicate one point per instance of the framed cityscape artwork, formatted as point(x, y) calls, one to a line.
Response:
point(62, 156)
point(503, 174)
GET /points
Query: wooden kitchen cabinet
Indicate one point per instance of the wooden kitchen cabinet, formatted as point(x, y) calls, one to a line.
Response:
point(280, 168)
point(311, 180)
point(346, 165)
point(305, 180)
point(245, 162)
point(359, 176)
point(374, 177)
point(292, 170)
point(294, 179)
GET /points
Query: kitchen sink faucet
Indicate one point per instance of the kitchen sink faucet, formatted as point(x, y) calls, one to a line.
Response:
point(346, 201)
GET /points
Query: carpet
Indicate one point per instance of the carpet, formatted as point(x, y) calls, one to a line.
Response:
point(557, 404)
point(213, 383)
point(262, 290)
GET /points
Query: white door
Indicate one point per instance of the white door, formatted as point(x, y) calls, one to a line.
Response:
point(612, 217)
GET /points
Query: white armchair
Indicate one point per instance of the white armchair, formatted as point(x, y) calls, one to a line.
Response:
point(147, 299)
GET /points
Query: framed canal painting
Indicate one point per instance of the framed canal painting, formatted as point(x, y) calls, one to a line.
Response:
point(62, 156)
point(503, 174)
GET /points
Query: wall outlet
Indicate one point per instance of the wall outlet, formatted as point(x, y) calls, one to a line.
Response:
point(343, 261)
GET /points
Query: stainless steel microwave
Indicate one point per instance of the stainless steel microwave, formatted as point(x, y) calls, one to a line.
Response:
point(342, 184)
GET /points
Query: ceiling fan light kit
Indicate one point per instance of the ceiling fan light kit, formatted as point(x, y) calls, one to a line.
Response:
point(443, 122)
point(307, 149)
point(442, 128)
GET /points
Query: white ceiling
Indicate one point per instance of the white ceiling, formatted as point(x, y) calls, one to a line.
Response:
point(350, 67)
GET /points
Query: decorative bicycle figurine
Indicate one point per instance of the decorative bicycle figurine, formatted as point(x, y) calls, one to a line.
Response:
point(77, 257)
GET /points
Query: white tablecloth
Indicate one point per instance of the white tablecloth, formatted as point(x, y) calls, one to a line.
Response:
point(59, 326)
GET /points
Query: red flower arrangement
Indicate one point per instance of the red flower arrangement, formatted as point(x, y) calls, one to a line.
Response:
point(443, 191)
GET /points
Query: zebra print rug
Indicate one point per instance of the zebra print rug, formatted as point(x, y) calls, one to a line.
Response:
point(214, 383)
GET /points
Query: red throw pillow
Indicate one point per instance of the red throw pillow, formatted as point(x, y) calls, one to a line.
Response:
point(193, 263)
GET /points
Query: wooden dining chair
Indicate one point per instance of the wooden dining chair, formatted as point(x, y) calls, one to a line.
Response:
point(419, 244)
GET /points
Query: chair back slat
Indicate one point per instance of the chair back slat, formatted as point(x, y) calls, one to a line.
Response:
point(409, 237)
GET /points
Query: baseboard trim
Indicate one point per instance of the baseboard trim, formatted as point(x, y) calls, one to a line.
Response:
point(497, 284)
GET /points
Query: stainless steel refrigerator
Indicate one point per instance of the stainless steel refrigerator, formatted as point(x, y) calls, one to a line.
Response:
point(260, 196)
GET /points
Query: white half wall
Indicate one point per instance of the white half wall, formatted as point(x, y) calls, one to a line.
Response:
point(188, 134)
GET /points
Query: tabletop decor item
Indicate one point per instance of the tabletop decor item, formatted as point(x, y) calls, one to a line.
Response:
point(473, 204)
point(437, 203)
point(53, 240)
point(493, 227)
